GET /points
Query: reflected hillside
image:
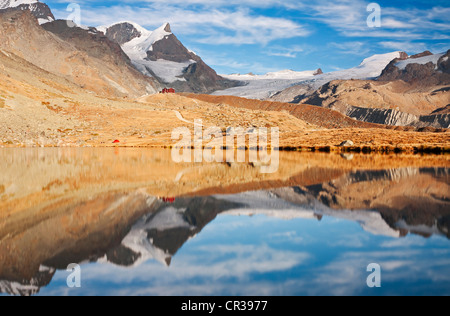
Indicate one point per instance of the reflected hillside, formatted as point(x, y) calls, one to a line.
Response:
point(129, 207)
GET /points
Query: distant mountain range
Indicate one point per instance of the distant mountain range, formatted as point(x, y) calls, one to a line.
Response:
point(391, 89)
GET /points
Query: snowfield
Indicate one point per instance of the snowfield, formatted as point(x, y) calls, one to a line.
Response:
point(265, 86)
point(421, 61)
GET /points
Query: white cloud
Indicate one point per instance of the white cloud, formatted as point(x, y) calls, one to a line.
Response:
point(212, 25)
point(289, 52)
point(349, 18)
point(353, 48)
point(409, 47)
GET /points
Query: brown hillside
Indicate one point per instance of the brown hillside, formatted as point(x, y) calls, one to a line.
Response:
point(312, 114)
point(84, 57)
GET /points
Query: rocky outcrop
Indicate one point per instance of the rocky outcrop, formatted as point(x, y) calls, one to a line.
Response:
point(424, 54)
point(381, 116)
point(397, 118)
point(122, 33)
point(438, 120)
point(419, 72)
point(318, 72)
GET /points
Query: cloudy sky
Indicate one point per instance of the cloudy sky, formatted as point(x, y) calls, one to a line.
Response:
point(269, 35)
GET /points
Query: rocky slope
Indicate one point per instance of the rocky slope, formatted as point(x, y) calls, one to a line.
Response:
point(161, 55)
point(84, 57)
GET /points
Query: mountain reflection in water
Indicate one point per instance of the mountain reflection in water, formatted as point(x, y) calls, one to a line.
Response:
point(133, 208)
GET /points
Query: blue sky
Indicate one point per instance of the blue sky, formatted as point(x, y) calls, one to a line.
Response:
point(241, 36)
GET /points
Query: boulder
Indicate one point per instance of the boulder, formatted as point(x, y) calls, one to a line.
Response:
point(347, 143)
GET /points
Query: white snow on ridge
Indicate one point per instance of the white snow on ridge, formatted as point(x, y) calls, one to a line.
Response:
point(144, 43)
point(263, 87)
point(136, 49)
point(421, 61)
point(15, 3)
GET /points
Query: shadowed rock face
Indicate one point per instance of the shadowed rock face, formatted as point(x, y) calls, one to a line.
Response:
point(122, 33)
point(200, 78)
point(398, 118)
point(28, 287)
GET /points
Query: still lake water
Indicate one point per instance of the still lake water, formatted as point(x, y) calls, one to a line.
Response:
point(139, 224)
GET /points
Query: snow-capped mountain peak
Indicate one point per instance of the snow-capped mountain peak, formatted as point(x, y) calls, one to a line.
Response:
point(15, 3)
point(144, 43)
point(137, 42)
point(40, 10)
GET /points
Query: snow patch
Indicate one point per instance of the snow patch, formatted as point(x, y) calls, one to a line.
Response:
point(44, 21)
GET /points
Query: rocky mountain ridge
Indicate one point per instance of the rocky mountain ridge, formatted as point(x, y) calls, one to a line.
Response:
point(161, 55)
